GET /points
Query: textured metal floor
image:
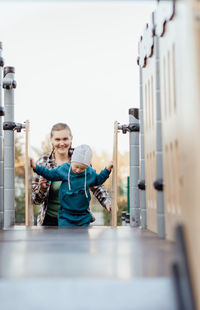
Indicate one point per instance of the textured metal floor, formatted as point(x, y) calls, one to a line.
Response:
point(85, 268)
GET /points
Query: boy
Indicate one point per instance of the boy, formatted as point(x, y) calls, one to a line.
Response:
point(76, 178)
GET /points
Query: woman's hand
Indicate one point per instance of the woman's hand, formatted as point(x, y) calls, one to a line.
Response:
point(32, 163)
point(110, 166)
point(42, 181)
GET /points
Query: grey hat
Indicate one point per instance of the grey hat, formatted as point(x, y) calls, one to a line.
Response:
point(82, 154)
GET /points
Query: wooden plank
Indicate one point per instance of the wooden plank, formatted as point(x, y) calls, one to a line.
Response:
point(149, 108)
point(114, 177)
point(180, 78)
point(191, 144)
point(171, 60)
point(28, 179)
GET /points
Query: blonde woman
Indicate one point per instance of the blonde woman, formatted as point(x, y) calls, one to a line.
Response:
point(45, 193)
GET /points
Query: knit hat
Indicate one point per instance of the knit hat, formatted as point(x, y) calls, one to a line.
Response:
point(82, 154)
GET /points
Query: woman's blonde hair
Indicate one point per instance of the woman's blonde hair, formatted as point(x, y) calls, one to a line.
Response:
point(60, 126)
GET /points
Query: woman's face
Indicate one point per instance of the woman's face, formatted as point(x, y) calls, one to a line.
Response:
point(61, 141)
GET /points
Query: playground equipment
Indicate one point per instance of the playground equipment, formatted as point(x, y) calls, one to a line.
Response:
point(9, 84)
point(151, 150)
point(169, 84)
point(169, 70)
point(1, 140)
point(169, 122)
point(133, 129)
point(114, 177)
point(7, 174)
point(29, 216)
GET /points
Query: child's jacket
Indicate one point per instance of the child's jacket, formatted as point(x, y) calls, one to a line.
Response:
point(40, 195)
point(74, 192)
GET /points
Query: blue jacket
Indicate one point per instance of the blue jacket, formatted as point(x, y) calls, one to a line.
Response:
point(74, 192)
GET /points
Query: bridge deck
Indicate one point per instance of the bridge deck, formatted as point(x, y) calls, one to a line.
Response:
point(85, 268)
point(102, 252)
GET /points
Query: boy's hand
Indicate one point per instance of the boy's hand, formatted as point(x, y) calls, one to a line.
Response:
point(44, 183)
point(110, 166)
point(32, 163)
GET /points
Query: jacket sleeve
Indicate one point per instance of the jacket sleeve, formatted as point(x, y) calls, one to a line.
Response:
point(101, 177)
point(39, 194)
point(50, 174)
point(101, 194)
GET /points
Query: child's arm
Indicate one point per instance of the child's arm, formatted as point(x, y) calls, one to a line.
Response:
point(103, 175)
point(49, 174)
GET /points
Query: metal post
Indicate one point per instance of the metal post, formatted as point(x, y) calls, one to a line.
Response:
point(9, 177)
point(127, 214)
point(128, 195)
point(127, 219)
point(1, 141)
point(158, 184)
point(123, 218)
point(141, 183)
point(134, 169)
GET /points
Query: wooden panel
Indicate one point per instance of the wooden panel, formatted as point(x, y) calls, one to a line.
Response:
point(29, 221)
point(180, 80)
point(191, 144)
point(114, 206)
point(149, 95)
point(170, 62)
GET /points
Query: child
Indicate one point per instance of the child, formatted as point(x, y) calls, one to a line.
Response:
point(76, 178)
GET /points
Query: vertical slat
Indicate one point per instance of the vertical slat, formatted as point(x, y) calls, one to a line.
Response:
point(1, 143)
point(28, 202)
point(9, 174)
point(142, 193)
point(114, 177)
point(190, 125)
point(134, 168)
point(159, 149)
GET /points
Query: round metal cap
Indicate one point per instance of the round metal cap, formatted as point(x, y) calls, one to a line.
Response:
point(134, 112)
point(8, 70)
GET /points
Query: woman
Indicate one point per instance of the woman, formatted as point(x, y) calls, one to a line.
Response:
point(45, 192)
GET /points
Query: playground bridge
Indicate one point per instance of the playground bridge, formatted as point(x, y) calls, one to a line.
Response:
point(141, 266)
point(85, 268)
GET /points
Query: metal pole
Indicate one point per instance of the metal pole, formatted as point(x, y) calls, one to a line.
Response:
point(123, 218)
point(1, 140)
point(158, 184)
point(141, 183)
point(128, 195)
point(9, 176)
point(134, 169)
point(127, 214)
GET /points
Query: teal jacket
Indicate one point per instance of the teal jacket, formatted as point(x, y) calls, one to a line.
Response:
point(74, 192)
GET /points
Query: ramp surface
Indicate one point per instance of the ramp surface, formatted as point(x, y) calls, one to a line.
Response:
point(85, 268)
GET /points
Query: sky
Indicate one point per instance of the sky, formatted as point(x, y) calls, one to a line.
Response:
point(75, 62)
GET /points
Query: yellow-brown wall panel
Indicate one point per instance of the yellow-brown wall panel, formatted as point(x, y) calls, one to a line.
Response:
point(171, 113)
point(191, 143)
point(180, 100)
point(149, 95)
